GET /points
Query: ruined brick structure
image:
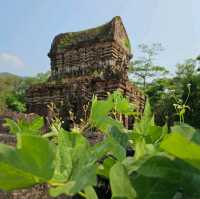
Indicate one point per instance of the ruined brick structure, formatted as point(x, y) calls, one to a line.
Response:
point(85, 63)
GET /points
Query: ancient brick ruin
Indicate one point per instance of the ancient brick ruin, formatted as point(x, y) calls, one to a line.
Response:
point(83, 64)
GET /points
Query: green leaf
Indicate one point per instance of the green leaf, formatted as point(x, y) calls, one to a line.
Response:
point(122, 104)
point(184, 129)
point(196, 137)
point(155, 133)
point(109, 146)
point(37, 123)
point(107, 123)
point(120, 184)
point(62, 189)
point(132, 164)
point(182, 148)
point(140, 149)
point(12, 125)
point(176, 172)
point(31, 127)
point(147, 115)
point(146, 126)
point(27, 166)
point(82, 178)
point(90, 193)
point(39, 154)
point(120, 136)
point(152, 188)
point(100, 108)
point(99, 115)
point(104, 169)
point(116, 149)
point(25, 127)
point(63, 162)
point(75, 168)
point(69, 151)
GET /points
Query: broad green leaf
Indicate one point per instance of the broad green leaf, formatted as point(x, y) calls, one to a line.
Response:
point(74, 140)
point(63, 160)
point(120, 136)
point(69, 151)
point(84, 176)
point(104, 169)
point(179, 146)
point(106, 123)
point(13, 176)
point(175, 172)
point(37, 123)
point(99, 115)
point(27, 166)
point(116, 149)
point(140, 149)
point(81, 179)
point(184, 129)
point(196, 137)
point(152, 188)
point(122, 104)
point(100, 108)
point(109, 146)
point(75, 168)
point(90, 193)
point(147, 129)
point(31, 127)
point(133, 164)
point(120, 184)
point(39, 154)
point(155, 133)
point(114, 144)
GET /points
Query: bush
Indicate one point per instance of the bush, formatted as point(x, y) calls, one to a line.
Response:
point(164, 165)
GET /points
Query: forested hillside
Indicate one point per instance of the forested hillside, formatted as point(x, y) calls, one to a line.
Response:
point(13, 88)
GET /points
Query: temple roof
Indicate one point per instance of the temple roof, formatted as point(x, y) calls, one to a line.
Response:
point(106, 32)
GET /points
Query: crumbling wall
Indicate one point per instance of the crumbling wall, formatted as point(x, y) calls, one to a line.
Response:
point(75, 94)
point(83, 64)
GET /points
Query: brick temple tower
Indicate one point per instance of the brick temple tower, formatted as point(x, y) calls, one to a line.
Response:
point(85, 63)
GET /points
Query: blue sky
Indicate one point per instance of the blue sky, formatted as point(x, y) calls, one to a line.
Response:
point(27, 28)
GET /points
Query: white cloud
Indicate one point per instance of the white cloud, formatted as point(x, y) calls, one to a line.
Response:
point(9, 62)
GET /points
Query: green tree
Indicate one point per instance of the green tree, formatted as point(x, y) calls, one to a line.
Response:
point(162, 93)
point(186, 69)
point(144, 68)
point(13, 90)
point(7, 85)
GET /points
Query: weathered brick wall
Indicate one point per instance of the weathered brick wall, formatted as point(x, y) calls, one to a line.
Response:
point(83, 64)
point(73, 95)
point(104, 49)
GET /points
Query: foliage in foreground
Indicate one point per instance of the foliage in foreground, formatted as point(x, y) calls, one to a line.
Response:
point(163, 166)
